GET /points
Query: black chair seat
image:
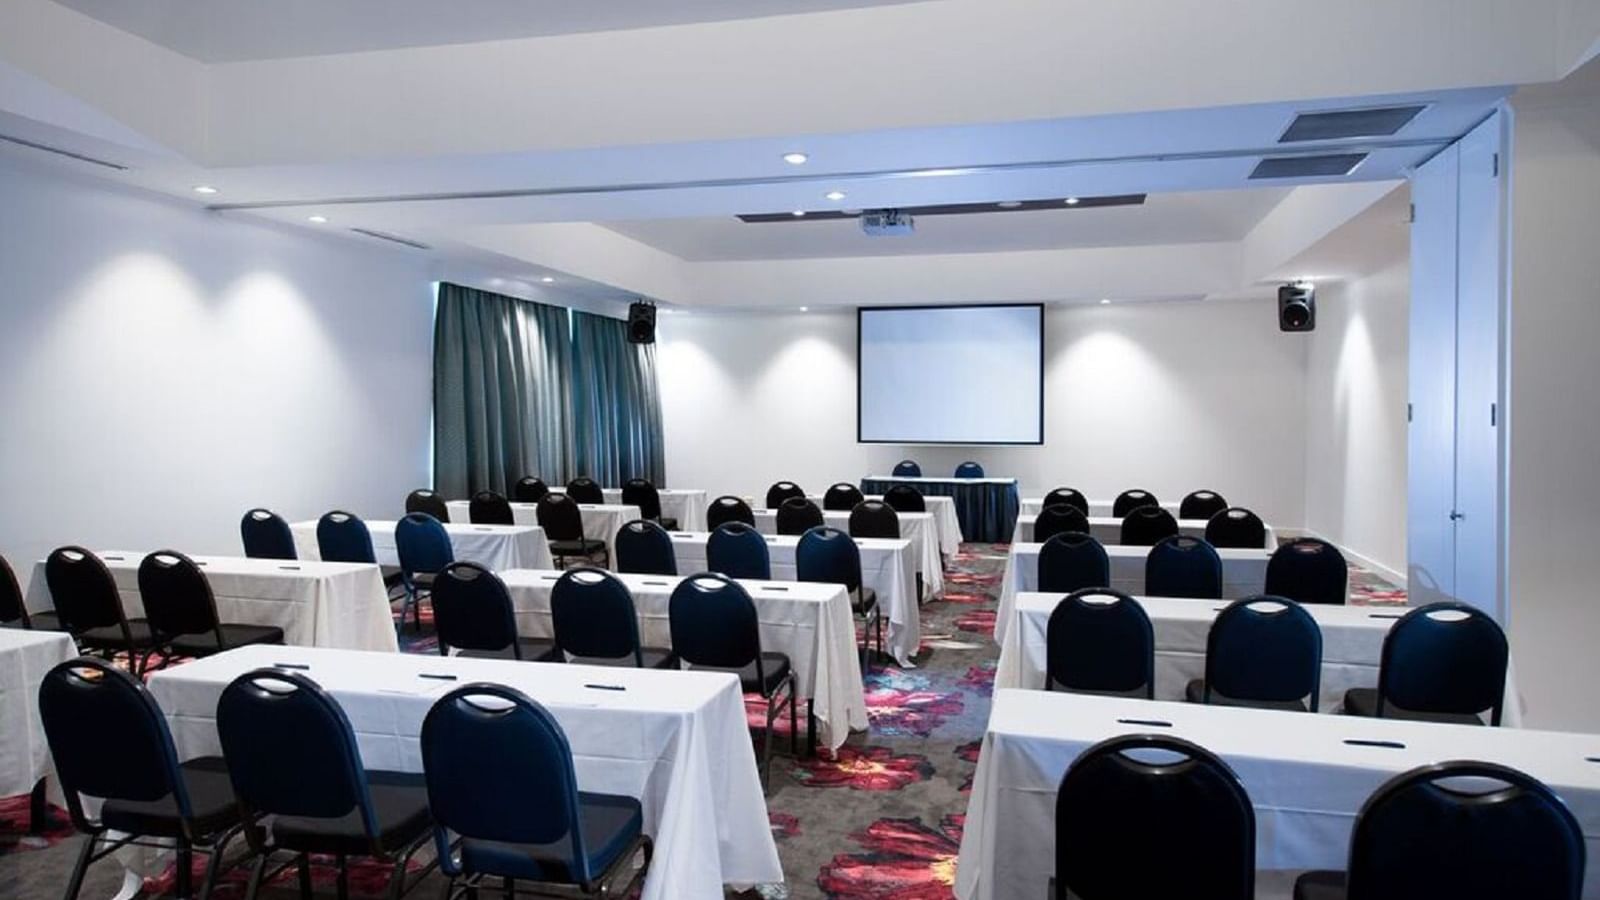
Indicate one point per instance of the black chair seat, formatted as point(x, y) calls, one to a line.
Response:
point(580, 547)
point(609, 823)
point(45, 621)
point(1138, 693)
point(866, 598)
point(1364, 702)
point(210, 800)
point(232, 636)
point(668, 524)
point(1319, 886)
point(109, 637)
point(533, 650)
point(776, 666)
point(652, 657)
point(400, 800)
point(1196, 693)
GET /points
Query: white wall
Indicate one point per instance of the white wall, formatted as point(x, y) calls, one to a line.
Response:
point(1170, 397)
point(1356, 416)
point(162, 369)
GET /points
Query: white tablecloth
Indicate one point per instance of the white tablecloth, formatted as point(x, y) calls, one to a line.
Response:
point(886, 567)
point(25, 657)
point(601, 522)
point(687, 505)
point(811, 623)
point(943, 509)
point(1244, 574)
point(1305, 782)
point(1108, 530)
point(676, 740)
point(1032, 506)
point(317, 604)
point(918, 528)
point(1352, 646)
point(495, 546)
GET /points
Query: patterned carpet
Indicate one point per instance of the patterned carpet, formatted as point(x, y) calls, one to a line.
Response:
point(882, 819)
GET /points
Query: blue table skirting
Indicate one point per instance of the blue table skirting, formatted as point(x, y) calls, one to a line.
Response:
point(987, 510)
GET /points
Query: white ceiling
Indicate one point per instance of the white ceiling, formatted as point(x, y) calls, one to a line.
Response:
point(223, 31)
point(1177, 218)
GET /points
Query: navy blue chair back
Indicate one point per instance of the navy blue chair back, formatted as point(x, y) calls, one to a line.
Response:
point(472, 609)
point(1193, 820)
point(1070, 562)
point(177, 597)
point(641, 493)
point(737, 550)
point(499, 768)
point(1100, 641)
point(1264, 648)
point(713, 623)
point(1058, 519)
point(343, 537)
point(423, 500)
point(266, 535)
point(1069, 497)
point(12, 607)
point(1491, 832)
point(797, 515)
point(1146, 526)
point(1182, 566)
point(782, 491)
point(905, 498)
point(83, 590)
point(729, 508)
point(490, 508)
point(1237, 528)
point(1445, 658)
point(645, 548)
point(529, 489)
point(1130, 500)
point(422, 544)
point(842, 497)
point(585, 490)
point(1309, 570)
point(560, 517)
point(1201, 505)
point(874, 519)
point(969, 469)
point(907, 468)
point(593, 615)
point(828, 555)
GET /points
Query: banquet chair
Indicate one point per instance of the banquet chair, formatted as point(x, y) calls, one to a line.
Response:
point(596, 624)
point(1264, 652)
point(907, 468)
point(1492, 832)
point(266, 535)
point(147, 797)
point(1183, 566)
point(1072, 561)
point(830, 556)
point(529, 489)
point(473, 614)
point(1444, 662)
point(645, 548)
point(969, 469)
point(423, 500)
point(797, 515)
point(1309, 570)
point(1058, 519)
point(424, 549)
point(874, 519)
point(1147, 816)
point(714, 626)
point(1201, 505)
point(584, 489)
point(1146, 526)
point(729, 508)
point(905, 498)
point(490, 508)
point(1069, 497)
point(343, 537)
point(14, 609)
point(842, 497)
point(89, 607)
point(1100, 641)
point(781, 491)
point(737, 550)
point(302, 789)
point(1237, 528)
point(504, 797)
point(562, 522)
point(1130, 500)
point(641, 493)
point(182, 610)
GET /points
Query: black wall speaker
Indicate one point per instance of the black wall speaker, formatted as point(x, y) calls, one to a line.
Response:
point(641, 323)
point(1297, 307)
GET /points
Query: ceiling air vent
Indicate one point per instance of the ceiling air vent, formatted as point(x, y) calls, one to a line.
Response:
point(1322, 166)
point(46, 148)
point(1349, 123)
point(958, 209)
point(393, 239)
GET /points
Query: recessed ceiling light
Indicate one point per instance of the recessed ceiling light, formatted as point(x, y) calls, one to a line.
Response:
point(805, 308)
point(795, 159)
point(1009, 204)
point(835, 196)
point(204, 189)
point(1104, 302)
point(1072, 201)
point(798, 213)
point(317, 220)
point(548, 280)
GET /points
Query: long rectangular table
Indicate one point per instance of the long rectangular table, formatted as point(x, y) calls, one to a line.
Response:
point(686, 505)
point(1035, 505)
point(678, 741)
point(1244, 574)
point(811, 623)
point(1108, 530)
point(986, 507)
point(25, 657)
point(495, 546)
point(601, 521)
point(317, 604)
point(946, 524)
point(1305, 778)
point(918, 528)
point(1352, 646)
point(886, 567)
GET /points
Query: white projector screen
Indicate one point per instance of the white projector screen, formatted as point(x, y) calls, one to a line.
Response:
point(950, 375)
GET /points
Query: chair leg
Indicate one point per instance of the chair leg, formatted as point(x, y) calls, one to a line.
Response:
point(304, 865)
point(254, 885)
point(766, 752)
point(183, 887)
point(214, 864)
point(811, 728)
point(342, 884)
point(397, 878)
point(38, 808)
point(794, 721)
point(75, 882)
point(511, 889)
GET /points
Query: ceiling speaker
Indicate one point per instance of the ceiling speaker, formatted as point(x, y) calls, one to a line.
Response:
point(641, 323)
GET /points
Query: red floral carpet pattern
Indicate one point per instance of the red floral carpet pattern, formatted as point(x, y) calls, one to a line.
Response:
point(863, 769)
point(902, 859)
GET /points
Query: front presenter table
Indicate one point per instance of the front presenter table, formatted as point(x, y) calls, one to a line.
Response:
point(986, 507)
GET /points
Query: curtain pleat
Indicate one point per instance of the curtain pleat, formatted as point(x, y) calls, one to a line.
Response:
point(616, 403)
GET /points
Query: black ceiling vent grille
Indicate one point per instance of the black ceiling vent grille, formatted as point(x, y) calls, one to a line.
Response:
point(1350, 123)
point(1321, 166)
point(957, 209)
point(391, 238)
point(46, 148)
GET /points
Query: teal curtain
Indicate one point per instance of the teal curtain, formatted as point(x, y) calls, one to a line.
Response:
point(502, 406)
point(616, 405)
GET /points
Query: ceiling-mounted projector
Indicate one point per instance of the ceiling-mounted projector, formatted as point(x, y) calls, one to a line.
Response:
point(880, 222)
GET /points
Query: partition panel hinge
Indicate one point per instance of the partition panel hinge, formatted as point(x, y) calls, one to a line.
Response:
point(1412, 215)
point(1494, 415)
point(1408, 412)
point(1497, 165)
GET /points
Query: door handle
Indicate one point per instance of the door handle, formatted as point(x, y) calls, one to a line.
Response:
point(1456, 517)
